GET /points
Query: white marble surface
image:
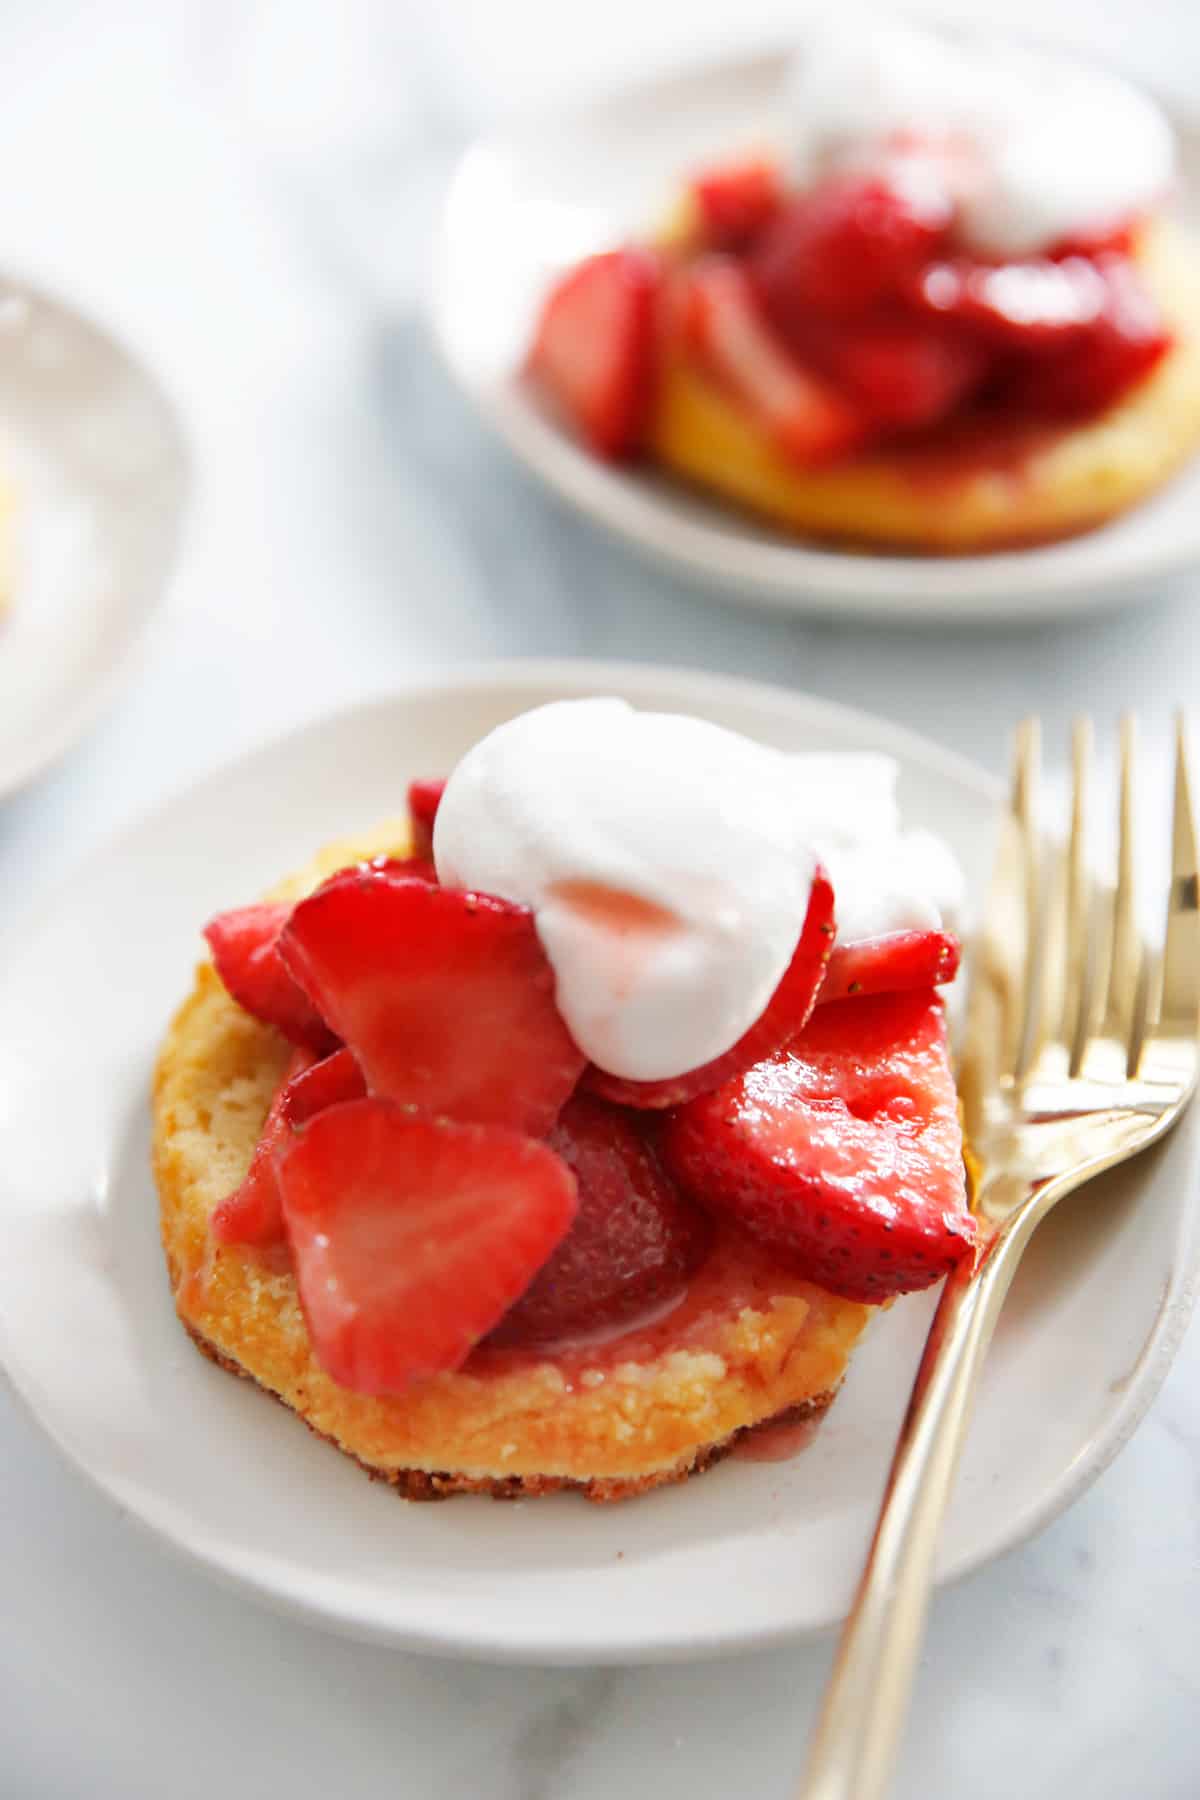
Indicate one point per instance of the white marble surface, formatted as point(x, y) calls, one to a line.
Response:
point(353, 528)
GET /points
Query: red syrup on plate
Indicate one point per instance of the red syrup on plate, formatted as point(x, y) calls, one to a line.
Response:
point(778, 1441)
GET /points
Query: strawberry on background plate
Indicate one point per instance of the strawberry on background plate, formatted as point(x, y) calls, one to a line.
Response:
point(716, 308)
point(1078, 332)
point(785, 1013)
point(245, 949)
point(446, 998)
point(1121, 347)
point(843, 1152)
point(593, 347)
point(412, 1236)
point(888, 964)
point(902, 373)
point(735, 200)
point(633, 1243)
point(853, 240)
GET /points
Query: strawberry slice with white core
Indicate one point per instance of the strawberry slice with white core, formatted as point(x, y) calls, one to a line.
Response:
point(726, 328)
point(245, 949)
point(593, 348)
point(446, 998)
point(785, 1014)
point(842, 1152)
point(413, 1236)
point(252, 1213)
point(888, 964)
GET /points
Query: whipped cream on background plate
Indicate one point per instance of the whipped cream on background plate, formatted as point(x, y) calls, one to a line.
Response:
point(668, 865)
point(1044, 148)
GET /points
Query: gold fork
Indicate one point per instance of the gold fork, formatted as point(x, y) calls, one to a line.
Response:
point(1080, 1050)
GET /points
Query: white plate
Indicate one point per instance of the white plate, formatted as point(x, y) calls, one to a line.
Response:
point(526, 203)
point(747, 1555)
point(94, 453)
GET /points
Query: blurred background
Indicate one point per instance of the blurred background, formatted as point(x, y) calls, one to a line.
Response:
point(244, 192)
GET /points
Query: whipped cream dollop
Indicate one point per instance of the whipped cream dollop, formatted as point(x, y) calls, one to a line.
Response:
point(1041, 148)
point(668, 864)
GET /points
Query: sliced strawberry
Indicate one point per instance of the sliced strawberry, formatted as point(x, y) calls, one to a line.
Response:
point(251, 1214)
point(632, 1246)
point(890, 964)
point(245, 949)
point(723, 324)
point(786, 1012)
point(852, 240)
point(903, 373)
point(383, 869)
point(331, 1082)
point(842, 1152)
point(1119, 349)
point(424, 798)
point(735, 201)
point(1120, 238)
point(593, 347)
point(1035, 305)
point(445, 998)
point(413, 1236)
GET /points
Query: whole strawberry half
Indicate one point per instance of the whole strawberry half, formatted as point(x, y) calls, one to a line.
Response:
point(785, 1013)
point(633, 1243)
point(842, 1152)
point(245, 950)
point(891, 963)
point(594, 344)
point(412, 1236)
point(446, 998)
point(252, 1213)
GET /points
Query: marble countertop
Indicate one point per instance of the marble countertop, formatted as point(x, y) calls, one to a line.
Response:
point(354, 528)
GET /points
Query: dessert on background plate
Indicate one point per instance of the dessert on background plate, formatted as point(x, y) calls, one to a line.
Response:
point(949, 313)
point(569, 1132)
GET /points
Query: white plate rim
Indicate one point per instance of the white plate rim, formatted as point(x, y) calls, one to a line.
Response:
point(286, 1597)
point(1088, 572)
point(56, 738)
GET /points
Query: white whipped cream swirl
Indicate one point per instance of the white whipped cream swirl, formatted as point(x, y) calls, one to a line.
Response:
point(668, 864)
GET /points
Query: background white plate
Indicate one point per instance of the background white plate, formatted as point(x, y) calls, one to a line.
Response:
point(529, 201)
point(94, 453)
point(748, 1555)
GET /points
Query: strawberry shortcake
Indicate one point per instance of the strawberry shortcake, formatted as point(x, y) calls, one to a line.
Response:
point(946, 311)
point(568, 1133)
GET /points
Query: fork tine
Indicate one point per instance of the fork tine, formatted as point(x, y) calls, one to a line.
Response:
point(1125, 952)
point(1077, 899)
point(1000, 971)
point(1027, 775)
point(1180, 992)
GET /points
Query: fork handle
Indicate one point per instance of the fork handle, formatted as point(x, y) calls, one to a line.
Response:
point(856, 1736)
